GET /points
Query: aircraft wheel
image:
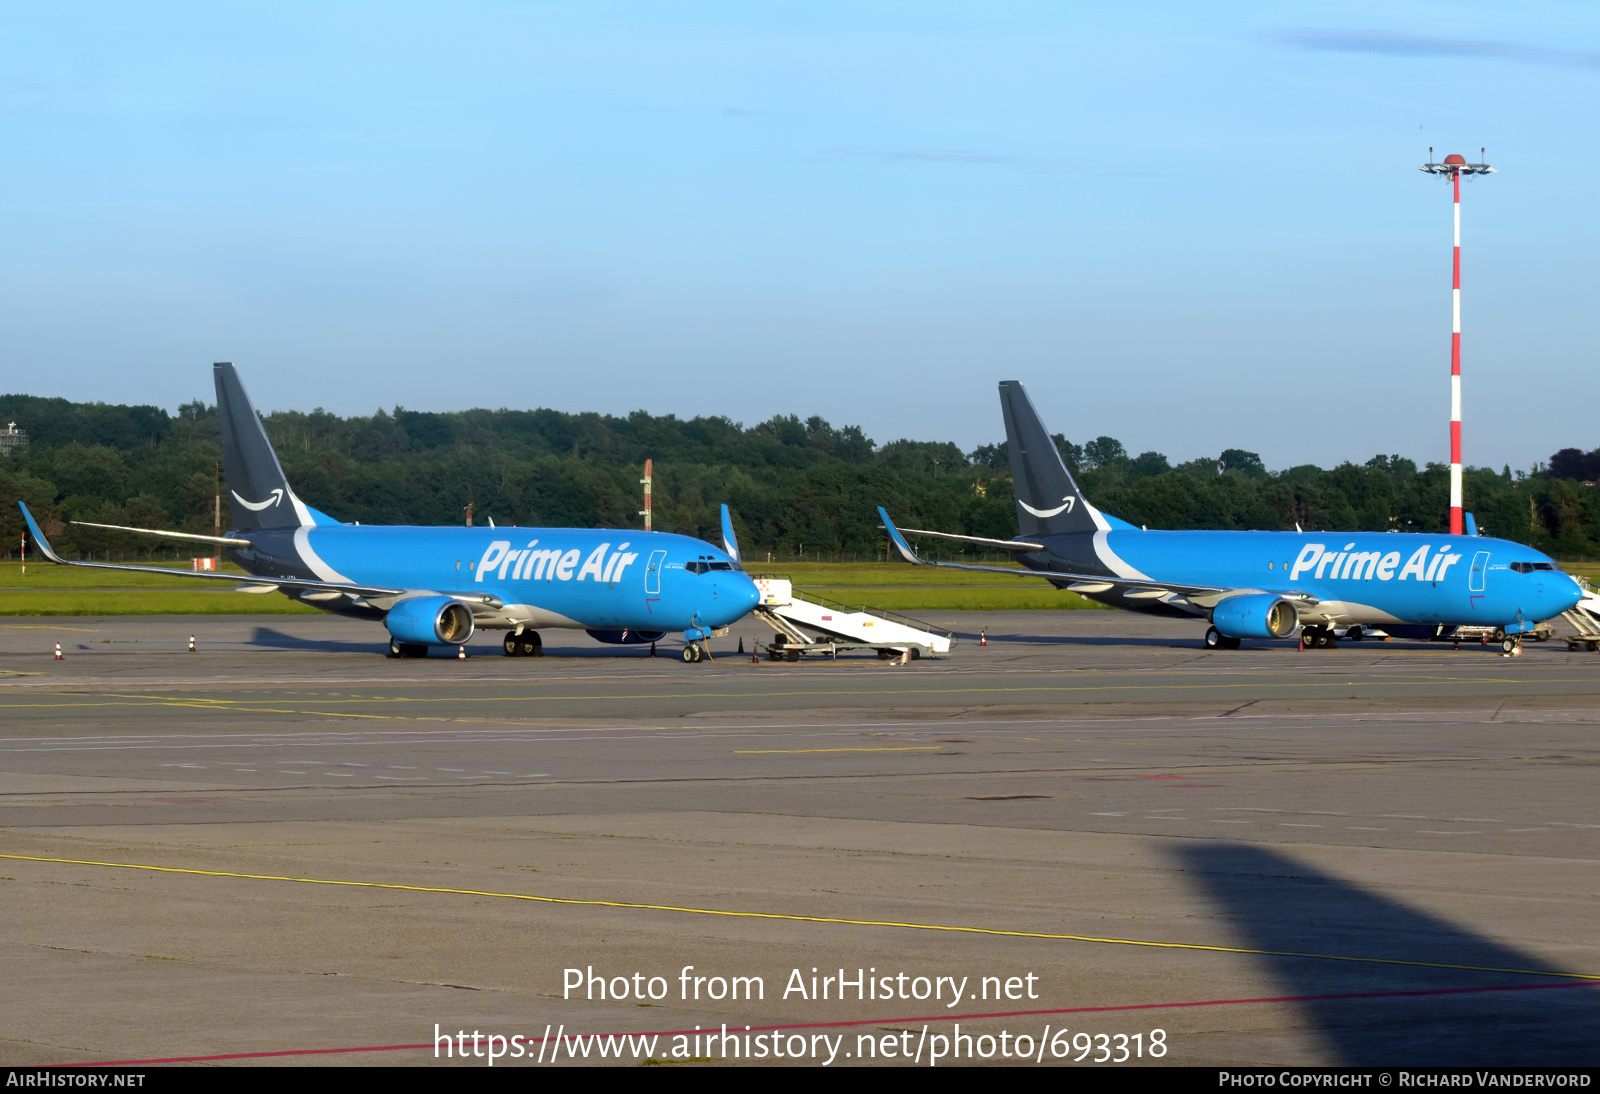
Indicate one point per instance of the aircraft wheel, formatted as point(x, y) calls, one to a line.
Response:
point(1540, 636)
point(1354, 634)
point(1508, 644)
point(395, 648)
point(688, 655)
point(792, 655)
point(529, 645)
point(1499, 635)
point(1325, 640)
point(510, 645)
point(1214, 640)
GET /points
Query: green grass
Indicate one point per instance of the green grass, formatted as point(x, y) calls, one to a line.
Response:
point(899, 587)
point(70, 590)
point(880, 573)
point(47, 575)
point(146, 602)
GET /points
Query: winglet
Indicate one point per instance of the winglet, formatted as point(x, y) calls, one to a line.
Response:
point(899, 540)
point(730, 542)
point(38, 537)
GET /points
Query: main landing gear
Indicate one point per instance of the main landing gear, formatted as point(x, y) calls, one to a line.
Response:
point(525, 644)
point(1318, 638)
point(1216, 640)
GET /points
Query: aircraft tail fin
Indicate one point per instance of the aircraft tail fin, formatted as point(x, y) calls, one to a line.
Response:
point(1049, 503)
point(261, 497)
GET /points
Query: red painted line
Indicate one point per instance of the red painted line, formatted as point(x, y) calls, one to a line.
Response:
point(878, 1021)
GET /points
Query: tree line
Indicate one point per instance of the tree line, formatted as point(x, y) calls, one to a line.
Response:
point(795, 487)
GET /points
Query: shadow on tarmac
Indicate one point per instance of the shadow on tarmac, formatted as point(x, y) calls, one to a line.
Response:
point(1275, 903)
point(268, 638)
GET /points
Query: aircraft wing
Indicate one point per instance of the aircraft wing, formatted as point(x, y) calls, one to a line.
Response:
point(1203, 595)
point(161, 533)
point(259, 583)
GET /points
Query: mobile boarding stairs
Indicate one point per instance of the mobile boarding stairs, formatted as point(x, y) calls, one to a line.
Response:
point(811, 624)
point(1584, 619)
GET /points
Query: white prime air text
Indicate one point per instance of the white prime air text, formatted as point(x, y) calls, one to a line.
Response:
point(858, 984)
point(527, 564)
point(1365, 565)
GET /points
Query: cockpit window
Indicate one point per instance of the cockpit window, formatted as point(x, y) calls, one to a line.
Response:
point(703, 565)
point(1530, 567)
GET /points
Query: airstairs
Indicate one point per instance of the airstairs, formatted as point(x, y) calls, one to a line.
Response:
point(811, 624)
point(1584, 619)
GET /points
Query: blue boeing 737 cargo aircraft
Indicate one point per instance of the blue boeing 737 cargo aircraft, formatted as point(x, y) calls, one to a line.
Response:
point(1259, 584)
point(433, 587)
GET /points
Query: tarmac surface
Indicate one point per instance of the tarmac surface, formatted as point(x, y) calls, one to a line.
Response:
point(285, 843)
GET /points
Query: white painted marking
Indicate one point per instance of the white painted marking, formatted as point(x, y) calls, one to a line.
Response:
point(1291, 824)
point(1450, 832)
point(1108, 814)
point(1402, 816)
point(401, 778)
point(1527, 829)
point(1360, 828)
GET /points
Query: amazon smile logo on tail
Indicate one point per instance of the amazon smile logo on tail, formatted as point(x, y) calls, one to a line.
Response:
point(1065, 507)
point(257, 506)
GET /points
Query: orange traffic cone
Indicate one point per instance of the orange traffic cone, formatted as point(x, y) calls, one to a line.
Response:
point(983, 637)
point(58, 651)
point(461, 653)
point(191, 643)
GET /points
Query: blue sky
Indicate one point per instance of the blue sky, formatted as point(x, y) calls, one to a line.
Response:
point(1190, 227)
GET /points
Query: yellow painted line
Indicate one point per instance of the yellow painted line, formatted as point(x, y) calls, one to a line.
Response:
point(46, 627)
point(789, 918)
point(242, 704)
point(798, 751)
point(13, 672)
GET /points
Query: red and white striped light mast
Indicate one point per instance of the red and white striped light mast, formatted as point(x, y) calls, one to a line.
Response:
point(1453, 168)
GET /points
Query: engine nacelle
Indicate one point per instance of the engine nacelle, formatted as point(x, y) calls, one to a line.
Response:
point(627, 638)
point(430, 621)
point(1257, 615)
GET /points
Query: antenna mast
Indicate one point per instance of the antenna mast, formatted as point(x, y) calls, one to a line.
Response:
point(1453, 167)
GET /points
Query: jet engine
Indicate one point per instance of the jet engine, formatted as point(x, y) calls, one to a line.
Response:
point(1256, 615)
point(431, 621)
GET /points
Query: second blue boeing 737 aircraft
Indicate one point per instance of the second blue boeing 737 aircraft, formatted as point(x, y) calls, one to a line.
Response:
point(1259, 584)
point(433, 587)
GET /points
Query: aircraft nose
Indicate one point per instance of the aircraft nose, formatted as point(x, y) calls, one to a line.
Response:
point(1568, 595)
point(739, 598)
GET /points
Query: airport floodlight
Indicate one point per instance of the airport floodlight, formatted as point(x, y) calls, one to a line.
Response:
point(1453, 167)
